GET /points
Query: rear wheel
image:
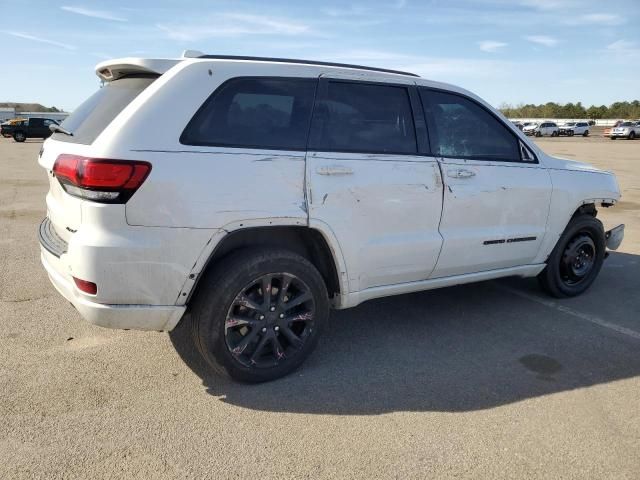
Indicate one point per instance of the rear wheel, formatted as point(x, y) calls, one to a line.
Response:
point(257, 316)
point(576, 259)
point(19, 137)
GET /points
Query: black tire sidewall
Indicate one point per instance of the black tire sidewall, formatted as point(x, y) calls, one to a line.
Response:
point(222, 285)
point(552, 279)
point(19, 137)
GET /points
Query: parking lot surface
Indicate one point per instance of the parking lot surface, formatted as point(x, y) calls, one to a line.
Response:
point(490, 380)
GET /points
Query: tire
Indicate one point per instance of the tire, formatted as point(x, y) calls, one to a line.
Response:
point(254, 341)
point(576, 259)
point(586, 133)
point(19, 137)
point(613, 138)
point(571, 133)
point(632, 135)
point(538, 134)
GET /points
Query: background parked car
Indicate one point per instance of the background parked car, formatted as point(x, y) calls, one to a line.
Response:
point(574, 128)
point(627, 130)
point(566, 128)
point(529, 128)
point(6, 127)
point(29, 128)
point(544, 129)
point(607, 130)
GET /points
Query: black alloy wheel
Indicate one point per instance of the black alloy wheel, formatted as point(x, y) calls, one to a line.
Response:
point(270, 320)
point(257, 313)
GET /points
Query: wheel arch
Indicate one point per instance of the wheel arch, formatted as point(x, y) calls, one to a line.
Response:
point(315, 244)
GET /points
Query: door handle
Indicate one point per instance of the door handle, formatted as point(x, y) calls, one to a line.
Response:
point(460, 173)
point(334, 170)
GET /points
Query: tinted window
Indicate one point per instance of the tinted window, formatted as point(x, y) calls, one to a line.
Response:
point(92, 117)
point(35, 122)
point(459, 127)
point(364, 118)
point(255, 113)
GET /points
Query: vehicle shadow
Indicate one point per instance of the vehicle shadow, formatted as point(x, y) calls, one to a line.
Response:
point(457, 349)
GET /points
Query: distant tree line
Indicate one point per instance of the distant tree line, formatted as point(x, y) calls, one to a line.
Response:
point(617, 110)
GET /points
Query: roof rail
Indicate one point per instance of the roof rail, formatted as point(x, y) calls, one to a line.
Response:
point(306, 62)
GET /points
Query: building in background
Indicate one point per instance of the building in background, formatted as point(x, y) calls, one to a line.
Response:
point(7, 113)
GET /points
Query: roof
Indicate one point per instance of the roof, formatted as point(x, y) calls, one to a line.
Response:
point(306, 62)
point(113, 69)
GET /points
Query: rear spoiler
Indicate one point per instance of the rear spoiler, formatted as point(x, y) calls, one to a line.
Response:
point(120, 67)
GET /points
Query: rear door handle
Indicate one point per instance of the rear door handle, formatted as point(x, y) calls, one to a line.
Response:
point(334, 170)
point(460, 173)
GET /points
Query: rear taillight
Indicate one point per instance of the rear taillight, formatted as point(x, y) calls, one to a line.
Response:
point(99, 179)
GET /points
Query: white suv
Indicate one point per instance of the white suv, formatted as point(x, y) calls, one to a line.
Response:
point(256, 194)
point(574, 128)
point(545, 129)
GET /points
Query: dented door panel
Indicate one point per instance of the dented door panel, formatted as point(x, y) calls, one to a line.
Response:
point(384, 210)
point(494, 215)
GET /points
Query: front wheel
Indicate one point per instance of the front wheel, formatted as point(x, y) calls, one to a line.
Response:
point(257, 315)
point(632, 135)
point(586, 133)
point(576, 259)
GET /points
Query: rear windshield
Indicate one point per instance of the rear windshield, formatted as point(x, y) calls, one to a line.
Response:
point(92, 117)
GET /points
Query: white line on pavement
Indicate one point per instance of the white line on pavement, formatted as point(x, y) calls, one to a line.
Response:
point(570, 311)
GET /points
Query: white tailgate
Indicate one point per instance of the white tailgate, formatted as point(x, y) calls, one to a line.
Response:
point(63, 210)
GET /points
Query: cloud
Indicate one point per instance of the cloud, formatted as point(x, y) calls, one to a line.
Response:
point(621, 45)
point(352, 10)
point(491, 46)
point(88, 12)
point(596, 19)
point(233, 25)
point(624, 49)
point(550, 4)
point(542, 40)
point(40, 39)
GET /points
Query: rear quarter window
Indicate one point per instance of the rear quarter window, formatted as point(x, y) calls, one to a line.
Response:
point(94, 115)
point(270, 113)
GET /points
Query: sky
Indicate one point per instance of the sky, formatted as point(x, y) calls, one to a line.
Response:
point(506, 51)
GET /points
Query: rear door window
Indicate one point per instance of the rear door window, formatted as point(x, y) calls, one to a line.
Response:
point(362, 117)
point(269, 113)
point(461, 128)
point(92, 117)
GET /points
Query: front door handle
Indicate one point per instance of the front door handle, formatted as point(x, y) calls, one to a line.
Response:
point(334, 170)
point(460, 173)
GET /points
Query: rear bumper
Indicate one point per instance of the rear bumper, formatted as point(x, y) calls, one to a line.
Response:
point(136, 317)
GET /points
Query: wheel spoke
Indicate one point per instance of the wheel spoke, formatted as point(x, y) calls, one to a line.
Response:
point(294, 340)
point(277, 348)
point(246, 340)
point(261, 344)
point(300, 299)
point(266, 291)
point(244, 301)
point(236, 321)
point(284, 288)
